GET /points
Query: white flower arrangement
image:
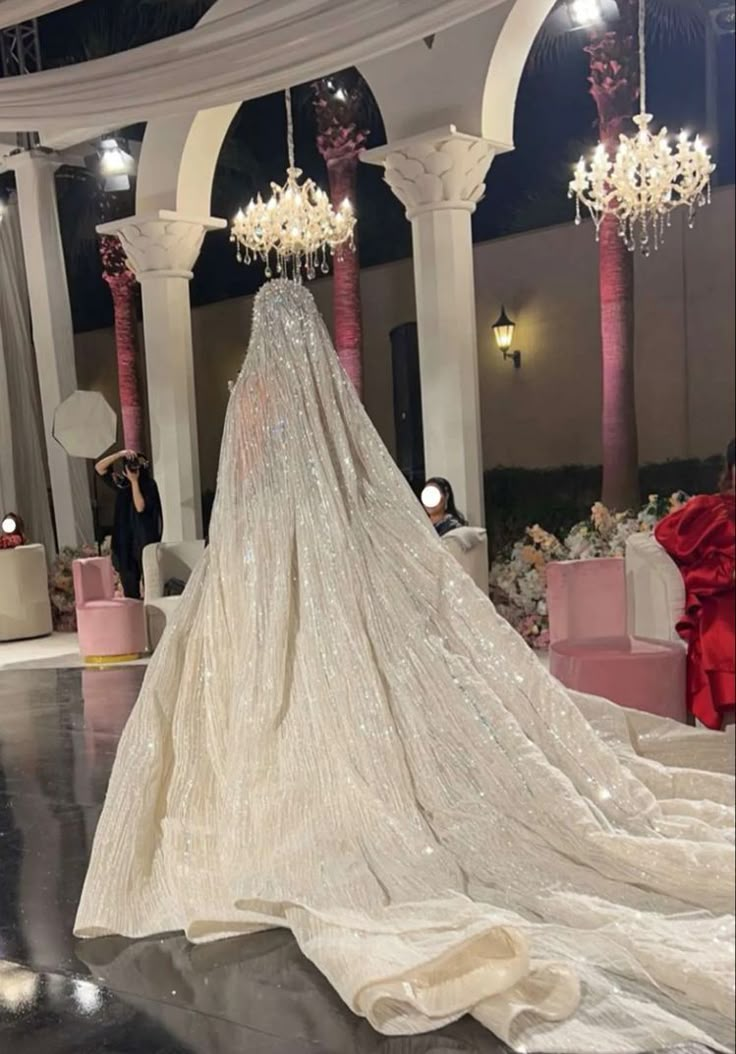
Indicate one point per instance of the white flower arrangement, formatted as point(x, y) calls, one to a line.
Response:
point(518, 582)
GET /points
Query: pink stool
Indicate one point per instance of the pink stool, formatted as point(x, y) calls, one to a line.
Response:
point(111, 629)
point(591, 650)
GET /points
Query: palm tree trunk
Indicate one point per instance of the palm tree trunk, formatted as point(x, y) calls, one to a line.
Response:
point(340, 140)
point(619, 429)
point(346, 307)
point(122, 285)
point(614, 87)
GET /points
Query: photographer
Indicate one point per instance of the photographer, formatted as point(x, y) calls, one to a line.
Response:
point(138, 518)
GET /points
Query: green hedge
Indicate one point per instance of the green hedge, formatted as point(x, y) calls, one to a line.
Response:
point(558, 498)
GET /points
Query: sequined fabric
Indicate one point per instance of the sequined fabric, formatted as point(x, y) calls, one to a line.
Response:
point(339, 735)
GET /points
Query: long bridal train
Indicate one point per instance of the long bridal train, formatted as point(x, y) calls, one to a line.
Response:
point(339, 735)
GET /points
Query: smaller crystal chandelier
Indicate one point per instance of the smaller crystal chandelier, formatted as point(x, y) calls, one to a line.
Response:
point(297, 229)
point(647, 179)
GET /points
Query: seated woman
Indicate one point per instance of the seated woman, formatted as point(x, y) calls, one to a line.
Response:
point(701, 538)
point(438, 500)
point(11, 532)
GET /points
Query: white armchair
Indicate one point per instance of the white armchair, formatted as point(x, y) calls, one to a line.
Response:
point(163, 562)
point(655, 592)
point(25, 610)
point(469, 545)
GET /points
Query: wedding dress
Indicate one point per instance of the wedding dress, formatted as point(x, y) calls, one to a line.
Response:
point(340, 736)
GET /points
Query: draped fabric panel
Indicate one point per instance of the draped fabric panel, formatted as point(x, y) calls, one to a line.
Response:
point(264, 46)
point(7, 468)
point(14, 11)
point(23, 478)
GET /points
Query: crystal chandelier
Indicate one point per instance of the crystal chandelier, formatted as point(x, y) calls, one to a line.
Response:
point(297, 229)
point(647, 179)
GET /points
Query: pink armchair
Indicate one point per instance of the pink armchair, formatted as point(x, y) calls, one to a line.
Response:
point(111, 629)
point(591, 650)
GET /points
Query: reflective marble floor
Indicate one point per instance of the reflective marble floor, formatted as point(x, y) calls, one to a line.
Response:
point(59, 730)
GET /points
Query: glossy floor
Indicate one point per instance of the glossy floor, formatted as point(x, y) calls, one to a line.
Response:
point(59, 730)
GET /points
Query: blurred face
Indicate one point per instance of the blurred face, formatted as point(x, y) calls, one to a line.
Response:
point(11, 531)
point(434, 501)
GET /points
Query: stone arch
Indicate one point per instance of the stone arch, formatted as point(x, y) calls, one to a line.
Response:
point(178, 160)
point(522, 23)
point(468, 76)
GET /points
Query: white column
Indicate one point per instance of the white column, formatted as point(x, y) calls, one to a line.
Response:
point(53, 334)
point(162, 248)
point(438, 177)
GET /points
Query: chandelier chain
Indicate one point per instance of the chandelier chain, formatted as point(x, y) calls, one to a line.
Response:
point(642, 57)
point(290, 129)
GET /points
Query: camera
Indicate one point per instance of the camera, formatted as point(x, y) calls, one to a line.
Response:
point(133, 463)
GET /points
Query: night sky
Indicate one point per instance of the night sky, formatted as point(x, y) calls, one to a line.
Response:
point(555, 123)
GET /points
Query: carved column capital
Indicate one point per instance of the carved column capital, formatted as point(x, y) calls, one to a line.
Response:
point(443, 169)
point(161, 244)
point(36, 157)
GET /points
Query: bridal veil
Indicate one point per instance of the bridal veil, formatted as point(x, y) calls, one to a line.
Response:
point(338, 735)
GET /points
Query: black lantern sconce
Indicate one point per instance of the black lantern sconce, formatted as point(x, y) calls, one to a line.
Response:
point(503, 331)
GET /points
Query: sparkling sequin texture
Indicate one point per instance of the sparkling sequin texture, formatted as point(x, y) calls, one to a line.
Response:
point(339, 735)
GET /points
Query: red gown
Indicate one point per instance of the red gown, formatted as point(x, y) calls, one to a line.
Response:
point(11, 541)
point(701, 539)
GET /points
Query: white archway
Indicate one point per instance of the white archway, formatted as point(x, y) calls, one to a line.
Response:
point(469, 78)
point(522, 23)
point(178, 160)
point(448, 107)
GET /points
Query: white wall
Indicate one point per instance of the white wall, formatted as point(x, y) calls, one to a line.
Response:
point(548, 412)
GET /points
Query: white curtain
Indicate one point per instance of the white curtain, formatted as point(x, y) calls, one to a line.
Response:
point(23, 476)
point(7, 469)
point(264, 46)
point(14, 11)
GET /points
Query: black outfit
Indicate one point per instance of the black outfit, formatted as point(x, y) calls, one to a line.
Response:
point(446, 524)
point(132, 531)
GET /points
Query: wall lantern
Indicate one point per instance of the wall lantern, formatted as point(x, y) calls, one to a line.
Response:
point(503, 331)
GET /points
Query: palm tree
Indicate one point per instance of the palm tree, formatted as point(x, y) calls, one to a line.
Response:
point(340, 108)
point(614, 88)
point(83, 204)
point(122, 285)
point(104, 32)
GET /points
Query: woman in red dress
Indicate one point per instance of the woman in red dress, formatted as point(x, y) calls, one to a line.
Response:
point(11, 532)
point(701, 539)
